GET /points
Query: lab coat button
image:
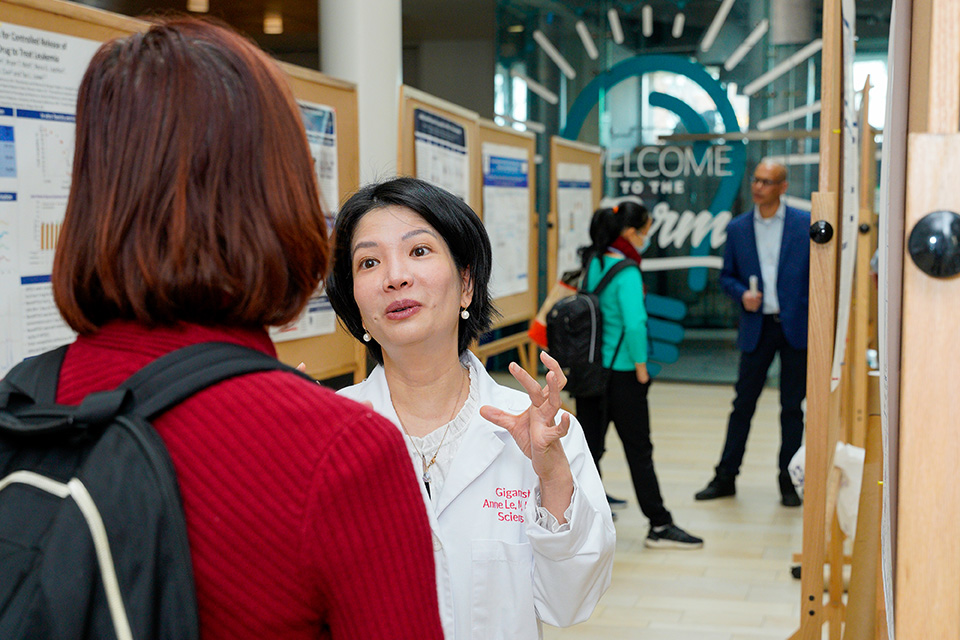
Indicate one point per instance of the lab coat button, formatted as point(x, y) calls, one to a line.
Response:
point(436, 543)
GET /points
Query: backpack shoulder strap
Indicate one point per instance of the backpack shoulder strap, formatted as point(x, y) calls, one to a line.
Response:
point(35, 378)
point(173, 378)
point(626, 263)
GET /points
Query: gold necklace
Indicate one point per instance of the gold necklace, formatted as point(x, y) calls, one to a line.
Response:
point(423, 459)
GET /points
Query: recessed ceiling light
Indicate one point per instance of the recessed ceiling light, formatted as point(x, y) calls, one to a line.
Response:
point(198, 6)
point(515, 28)
point(272, 23)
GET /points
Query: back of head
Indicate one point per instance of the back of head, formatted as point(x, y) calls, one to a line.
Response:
point(193, 195)
point(608, 223)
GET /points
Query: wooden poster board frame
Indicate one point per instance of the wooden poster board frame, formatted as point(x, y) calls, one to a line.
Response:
point(519, 307)
point(823, 406)
point(412, 99)
point(927, 587)
point(325, 356)
point(569, 151)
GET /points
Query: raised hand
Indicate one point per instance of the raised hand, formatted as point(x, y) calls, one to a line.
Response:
point(538, 434)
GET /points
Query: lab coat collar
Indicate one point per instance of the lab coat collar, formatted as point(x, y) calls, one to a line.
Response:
point(483, 441)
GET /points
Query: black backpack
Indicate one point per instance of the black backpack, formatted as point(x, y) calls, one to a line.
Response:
point(93, 541)
point(575, 336)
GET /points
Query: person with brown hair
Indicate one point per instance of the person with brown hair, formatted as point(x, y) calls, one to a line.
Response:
point(194, 216)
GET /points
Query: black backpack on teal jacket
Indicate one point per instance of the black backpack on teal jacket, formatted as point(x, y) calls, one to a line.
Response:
point(575, 336)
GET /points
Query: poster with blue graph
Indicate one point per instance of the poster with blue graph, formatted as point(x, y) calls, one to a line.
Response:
point(38, 94)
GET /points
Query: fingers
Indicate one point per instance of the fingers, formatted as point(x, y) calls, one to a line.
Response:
point(531, 386)
point(302, 367)
point(498, 417)
point(552, 365)
point(564, 425)
point(553, 389)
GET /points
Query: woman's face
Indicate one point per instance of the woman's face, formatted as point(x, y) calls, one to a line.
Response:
point(405, 282)
point(636, 236)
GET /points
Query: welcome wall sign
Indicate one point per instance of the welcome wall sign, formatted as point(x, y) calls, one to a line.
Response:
point(663, 172)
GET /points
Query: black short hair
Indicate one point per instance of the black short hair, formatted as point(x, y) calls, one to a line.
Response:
point(456, 223)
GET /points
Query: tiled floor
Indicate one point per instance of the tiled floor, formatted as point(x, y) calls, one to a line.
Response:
point(738, 587)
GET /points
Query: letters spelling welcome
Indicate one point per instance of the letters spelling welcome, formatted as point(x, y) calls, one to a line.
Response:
point(508, 502)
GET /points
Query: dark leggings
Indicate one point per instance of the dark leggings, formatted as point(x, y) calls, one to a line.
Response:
point(626, 405)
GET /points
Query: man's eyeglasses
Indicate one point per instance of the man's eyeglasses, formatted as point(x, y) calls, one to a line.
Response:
point(764, 182)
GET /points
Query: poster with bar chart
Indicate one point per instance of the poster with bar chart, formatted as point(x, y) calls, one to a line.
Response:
point(41, 73)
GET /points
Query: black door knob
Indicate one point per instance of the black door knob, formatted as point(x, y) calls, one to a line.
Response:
point(821, 232)
point(934, 244)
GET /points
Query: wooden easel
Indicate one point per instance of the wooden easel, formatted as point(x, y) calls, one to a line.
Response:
point(842, 414)
point(927, 586)
point(923, 439)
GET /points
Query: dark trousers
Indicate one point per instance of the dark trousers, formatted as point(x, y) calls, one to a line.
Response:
point(626, 404)
point(753, 374)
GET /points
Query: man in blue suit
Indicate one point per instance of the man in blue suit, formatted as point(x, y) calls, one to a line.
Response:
point(766, 270)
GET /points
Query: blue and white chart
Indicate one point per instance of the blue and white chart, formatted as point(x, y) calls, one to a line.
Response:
point(320, 122)
point(442, 156)
point(40, 73)
point(574, 210)
point(506, 215)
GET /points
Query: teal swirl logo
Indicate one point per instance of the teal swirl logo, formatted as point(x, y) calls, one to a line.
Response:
point(665, 330)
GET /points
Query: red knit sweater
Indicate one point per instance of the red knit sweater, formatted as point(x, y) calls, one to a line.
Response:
point(303, 513)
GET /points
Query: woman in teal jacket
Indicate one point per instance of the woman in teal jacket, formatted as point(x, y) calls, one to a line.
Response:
point(619, 234)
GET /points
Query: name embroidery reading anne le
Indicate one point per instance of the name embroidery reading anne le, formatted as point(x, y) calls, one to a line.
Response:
point(508, 503)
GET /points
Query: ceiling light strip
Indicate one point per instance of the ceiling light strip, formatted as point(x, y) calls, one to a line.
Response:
point(783, 67)
point(616, 30)
point(536, 87)
point(714, 29)
point(554, 55)
point(678, 21)
point(788, 116)
point(748, 44)
point(587, 40)
point(647, 18)
point(537, 127)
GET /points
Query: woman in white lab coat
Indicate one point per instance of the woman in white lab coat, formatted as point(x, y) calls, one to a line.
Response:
point(521, 528)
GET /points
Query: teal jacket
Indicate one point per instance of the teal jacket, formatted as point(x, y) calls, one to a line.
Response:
point(624, 313)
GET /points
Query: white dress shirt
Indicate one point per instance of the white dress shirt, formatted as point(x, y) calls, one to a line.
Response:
point(769, 234)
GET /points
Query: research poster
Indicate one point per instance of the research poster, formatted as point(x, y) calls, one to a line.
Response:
point(40, 74)
point(574, 209)
point(506, 215)
point(442, 156)
point(320, 122)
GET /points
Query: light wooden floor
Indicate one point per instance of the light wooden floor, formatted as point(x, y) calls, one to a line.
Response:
point(738, 587)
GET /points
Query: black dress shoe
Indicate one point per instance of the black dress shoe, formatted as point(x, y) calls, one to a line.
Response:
point(788, 495)
point(719, 487)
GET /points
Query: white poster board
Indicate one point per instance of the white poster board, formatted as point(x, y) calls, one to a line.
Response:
point(40, 74)
point(442, 156)
point(574, 210)
point(849, 197)
point(506, 216)
point(320, 122)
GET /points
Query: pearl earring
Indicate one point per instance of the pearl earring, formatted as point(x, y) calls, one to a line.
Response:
point(464, 314)
point(366, 336)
